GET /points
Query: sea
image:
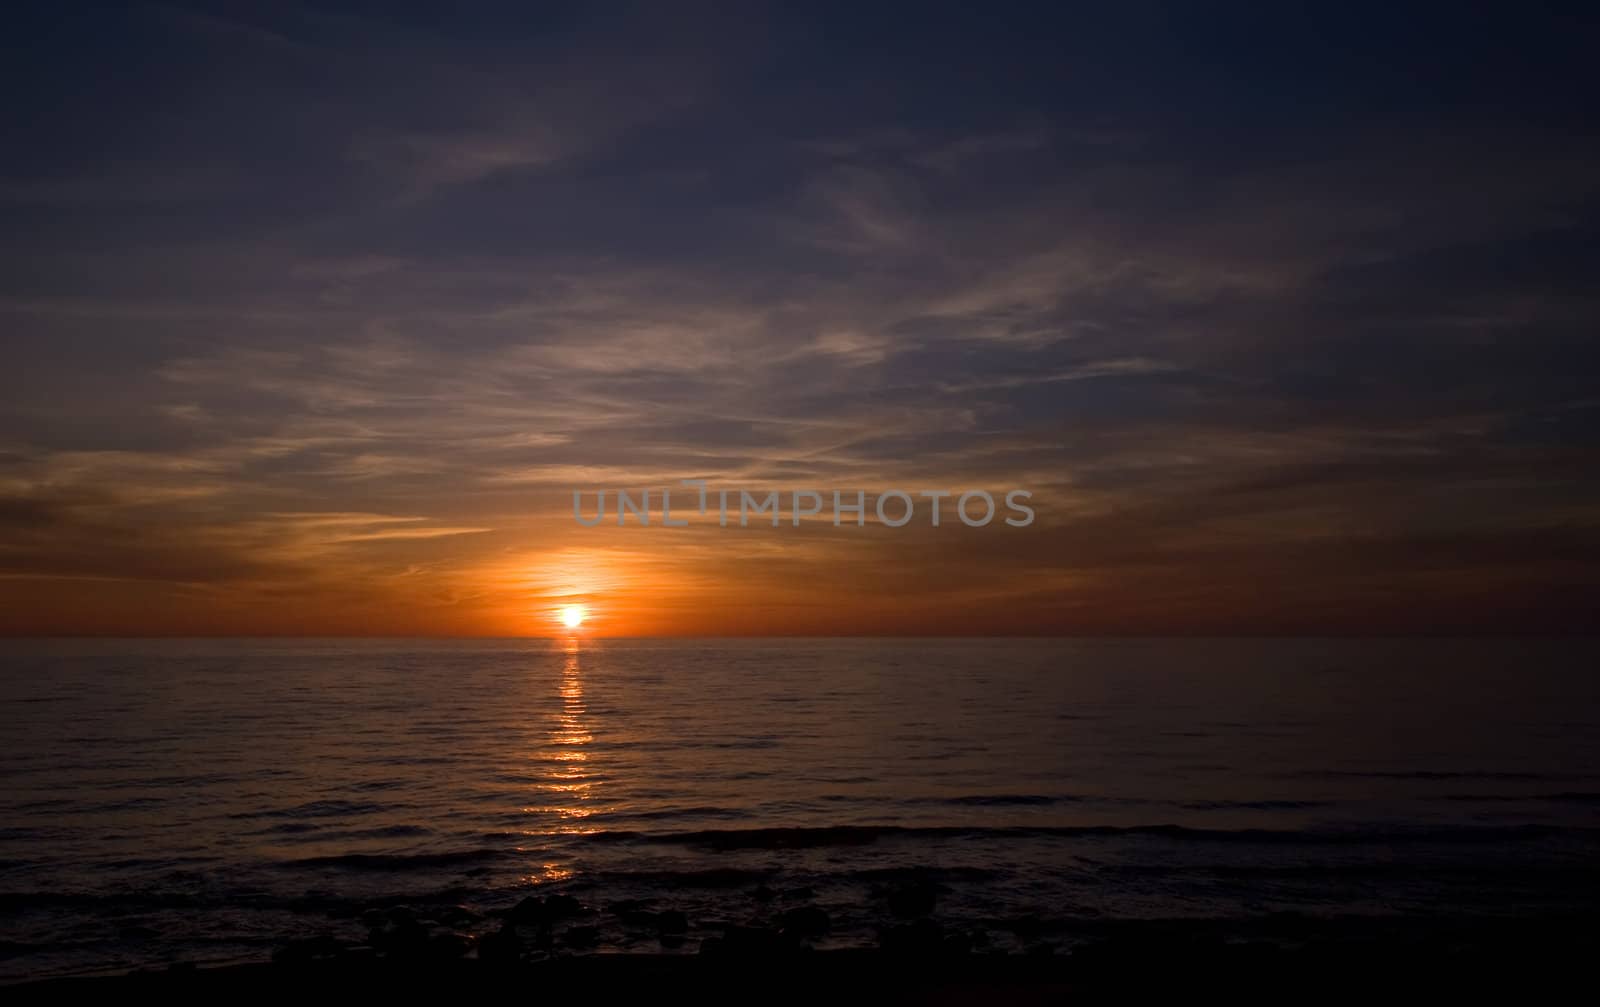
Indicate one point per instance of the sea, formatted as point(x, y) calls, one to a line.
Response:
point(207, 801)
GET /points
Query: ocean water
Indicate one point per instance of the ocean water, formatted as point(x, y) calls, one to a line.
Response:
point(207, 800)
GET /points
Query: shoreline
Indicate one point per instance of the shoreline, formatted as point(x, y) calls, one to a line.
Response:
point(1506, 955)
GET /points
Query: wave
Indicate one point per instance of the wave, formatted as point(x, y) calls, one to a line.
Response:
point(973, 800)
point(154, 899)
point(318, 809)
point(1567, 797)
point(861, 835)
point(920, 874)
point(402, 861)
point(1433, 873)
point(707, 811)
point(1430, 774)
point(1007, 800)
point(711, 877)
point(1267, 805)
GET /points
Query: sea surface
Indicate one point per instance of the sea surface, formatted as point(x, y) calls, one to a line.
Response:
point(208, 800)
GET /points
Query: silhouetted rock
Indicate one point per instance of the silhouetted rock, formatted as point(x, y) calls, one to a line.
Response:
point(558, 907)
point(913, 900)
point(1027, 928)
point(798, 894)
point(448, 945)
point(644, 919)
point(540, 937)
point(405, 938)
point(752, 942)
point(672, 922)
point(806, 921)
point(622, 907)
point(309, 949)
point(529, 910)
point(666, 922)
point(536, 911)
point(500, 946)
point(456, 916)
point(762, 893)
point(921, 938)
point(581, 937)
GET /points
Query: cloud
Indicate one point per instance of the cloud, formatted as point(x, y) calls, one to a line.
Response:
point(318, 361)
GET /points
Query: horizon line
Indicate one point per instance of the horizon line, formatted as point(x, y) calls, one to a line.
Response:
point(1175, 635)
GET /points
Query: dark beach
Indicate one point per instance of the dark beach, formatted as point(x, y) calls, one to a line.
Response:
point(920, 963)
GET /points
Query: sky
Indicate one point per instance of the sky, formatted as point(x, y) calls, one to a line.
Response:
point(315, 315)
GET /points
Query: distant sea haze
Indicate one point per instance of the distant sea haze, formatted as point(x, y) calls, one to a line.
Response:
point(210, 800)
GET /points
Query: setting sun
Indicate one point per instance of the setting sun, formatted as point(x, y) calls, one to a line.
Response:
point(572, 616)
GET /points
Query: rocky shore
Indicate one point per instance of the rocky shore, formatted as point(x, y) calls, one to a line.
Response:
point(545, 945)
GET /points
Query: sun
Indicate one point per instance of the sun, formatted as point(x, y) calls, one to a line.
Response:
point(572, 616)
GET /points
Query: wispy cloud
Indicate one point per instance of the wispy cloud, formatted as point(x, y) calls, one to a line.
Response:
point(299, 365)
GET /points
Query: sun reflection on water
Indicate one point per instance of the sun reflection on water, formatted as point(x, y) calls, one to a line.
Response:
point(568, 783)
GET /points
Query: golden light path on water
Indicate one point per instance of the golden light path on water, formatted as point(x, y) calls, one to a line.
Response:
point(567, 783)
